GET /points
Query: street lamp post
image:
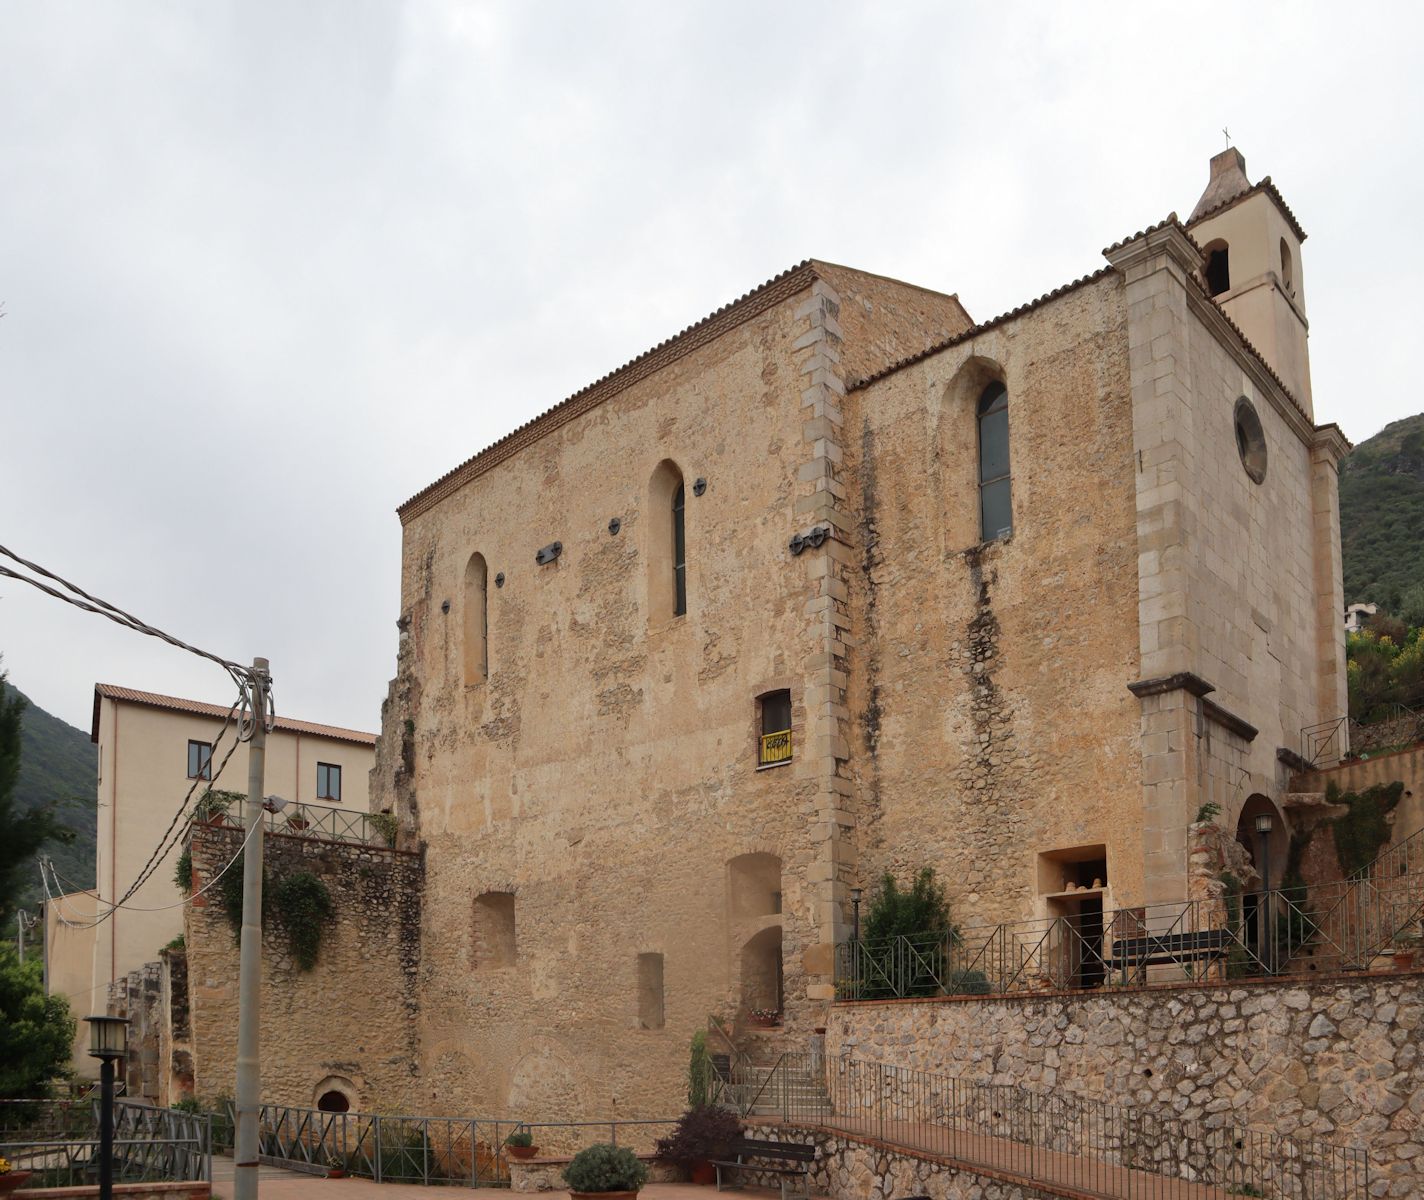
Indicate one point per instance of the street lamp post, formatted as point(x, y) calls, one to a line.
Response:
point(108, 1042)
point(1264, 824)
point(855, 895)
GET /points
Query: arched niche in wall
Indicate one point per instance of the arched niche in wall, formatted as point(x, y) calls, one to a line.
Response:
point(666, 550)
point(476, 630)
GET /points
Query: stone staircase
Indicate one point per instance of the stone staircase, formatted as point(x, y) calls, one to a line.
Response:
point(788, 1088)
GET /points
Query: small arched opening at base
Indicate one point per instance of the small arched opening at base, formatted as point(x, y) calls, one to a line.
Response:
point(335, 1094)
point(334, 1102)
point(763, 984)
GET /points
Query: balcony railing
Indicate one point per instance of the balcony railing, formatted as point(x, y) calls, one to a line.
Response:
point(775, 748)
point(1338, 927)
point(320, 821)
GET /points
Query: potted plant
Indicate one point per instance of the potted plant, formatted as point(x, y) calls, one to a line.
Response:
point(607, 1172)
point(520, 1144)
point(335, 1167)
point(1406, 946)
point(767, 1018)
point(12, 1180)
point(212, 807)
point(702, 1135)
point(297, 821)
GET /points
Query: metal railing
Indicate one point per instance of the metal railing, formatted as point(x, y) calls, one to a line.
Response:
point(1336, 927)
point(321, 821)
point(60, 1143)
point(467, 1151)
point(774, 748)
point(1067, 1140)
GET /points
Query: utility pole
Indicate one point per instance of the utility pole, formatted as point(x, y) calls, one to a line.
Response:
point(249, 980)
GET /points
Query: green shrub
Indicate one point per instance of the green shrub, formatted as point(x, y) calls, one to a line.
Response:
point(386, 825)
point(520, 1137)
point(183, 871)
point(604, 1168)
point(699, 1072)
point(923, 911)
point(303, 905)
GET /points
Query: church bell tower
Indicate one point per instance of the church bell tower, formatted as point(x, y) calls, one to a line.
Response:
point(1252, 241)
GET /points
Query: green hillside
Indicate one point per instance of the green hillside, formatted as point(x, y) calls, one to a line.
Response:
point(60, 763)
point(1382, 514)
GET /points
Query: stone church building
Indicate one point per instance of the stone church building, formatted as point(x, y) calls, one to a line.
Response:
point(841, 581)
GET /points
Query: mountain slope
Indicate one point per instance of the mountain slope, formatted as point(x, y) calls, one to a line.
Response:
point(1382, 514)
point(60, 763)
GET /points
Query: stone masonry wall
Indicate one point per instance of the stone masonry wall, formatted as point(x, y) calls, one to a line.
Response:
point(1337, 1060)
point(353, 1015)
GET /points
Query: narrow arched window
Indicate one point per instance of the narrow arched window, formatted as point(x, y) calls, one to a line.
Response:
point(679, 552)
point(1218, 268)
point(667, 544)
point(476, 620)
point(996, 514)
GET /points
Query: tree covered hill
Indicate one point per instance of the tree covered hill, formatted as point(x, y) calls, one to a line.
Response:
point(1382, 514)
point(59, 763)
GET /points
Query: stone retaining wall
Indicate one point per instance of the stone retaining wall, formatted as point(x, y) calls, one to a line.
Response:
point(1332, 1059)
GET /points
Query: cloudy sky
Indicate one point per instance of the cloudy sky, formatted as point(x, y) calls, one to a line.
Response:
point(269, 268)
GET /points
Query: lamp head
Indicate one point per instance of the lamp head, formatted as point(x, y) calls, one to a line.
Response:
point(274, 804)
point(1264, 823)
point(108, 1036)
point(856, 893)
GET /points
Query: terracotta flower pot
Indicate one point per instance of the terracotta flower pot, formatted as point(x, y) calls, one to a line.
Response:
point(13, 1181)
point(704, 1174)
point(1404, 960)
point(522, 1151)
point(336, 1172)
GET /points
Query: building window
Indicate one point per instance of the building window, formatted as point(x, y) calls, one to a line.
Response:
point(667, 544)
point(328, 781)
point(651, 1014)
point(679, 551)
point(1218, 268)
point(774, 720)
point(1250, 440)
point(1287, 269)
point(200, 760)
point(996, 514)
point(494, 944)
point(476, 620)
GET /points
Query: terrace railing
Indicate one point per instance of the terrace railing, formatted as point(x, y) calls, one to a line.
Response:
point(467, 1151)
point(1067, 1140)
point(1341, 926)
point(59, 1141)
point(322, 821)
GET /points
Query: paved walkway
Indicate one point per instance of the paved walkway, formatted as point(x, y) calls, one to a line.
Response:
point(277, 1184)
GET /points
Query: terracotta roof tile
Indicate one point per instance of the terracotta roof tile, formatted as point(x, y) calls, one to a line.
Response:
point(729, 316)
point(1265, 185)
point(974, 330)
point(200, 708)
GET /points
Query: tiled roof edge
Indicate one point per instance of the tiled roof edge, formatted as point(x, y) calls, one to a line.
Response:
point(983, 326)
point(201, 708)
point(729, 316)
point(1265, 185)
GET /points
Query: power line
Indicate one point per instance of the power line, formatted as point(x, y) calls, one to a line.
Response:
point(103, 608)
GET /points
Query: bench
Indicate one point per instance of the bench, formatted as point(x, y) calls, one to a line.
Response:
point(1153, 949)
point(775, 1152)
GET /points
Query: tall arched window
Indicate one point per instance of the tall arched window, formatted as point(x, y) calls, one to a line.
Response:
point(476, 620)
point(996, 512)
point(667, 544)
point(1218, 267)
point(679, 551)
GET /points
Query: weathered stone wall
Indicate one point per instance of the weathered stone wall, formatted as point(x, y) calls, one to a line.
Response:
point(352, 1016)
point(604, 772)
point(1337, 1060)
point(139, 997)
point(972, 757)
point(1405, 766)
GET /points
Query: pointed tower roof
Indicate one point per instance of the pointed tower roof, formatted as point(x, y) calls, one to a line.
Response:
point(1228, 182)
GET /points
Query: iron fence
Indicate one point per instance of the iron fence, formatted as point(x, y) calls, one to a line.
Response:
point(1335, 927)
point(59, 1141)
point(1063, 1139)
point(466, 1151)
point(321, 821)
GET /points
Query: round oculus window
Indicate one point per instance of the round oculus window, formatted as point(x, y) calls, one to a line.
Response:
point(1250, 440)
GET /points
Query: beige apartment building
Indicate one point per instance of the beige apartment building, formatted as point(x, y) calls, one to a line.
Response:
point(838, 581)
point(152, 750)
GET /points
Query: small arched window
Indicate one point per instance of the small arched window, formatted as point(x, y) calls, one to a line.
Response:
point(996, 512)
point(1287, 269)
point(476, 620)
point(679, 551)
point(667, 543)
point(1218, 268)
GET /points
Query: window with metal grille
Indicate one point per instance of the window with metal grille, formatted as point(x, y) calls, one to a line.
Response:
point(774, 744)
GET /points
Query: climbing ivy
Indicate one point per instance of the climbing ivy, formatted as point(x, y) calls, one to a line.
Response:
point(1362, 832)
point(303, 906)
point(183, 872)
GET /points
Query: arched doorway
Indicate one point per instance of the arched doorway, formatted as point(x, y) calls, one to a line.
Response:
point(333, 1101)
point(763, 986)
point(1261, 832)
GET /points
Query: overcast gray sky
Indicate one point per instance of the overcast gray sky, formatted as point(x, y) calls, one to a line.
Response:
point(270, 268)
